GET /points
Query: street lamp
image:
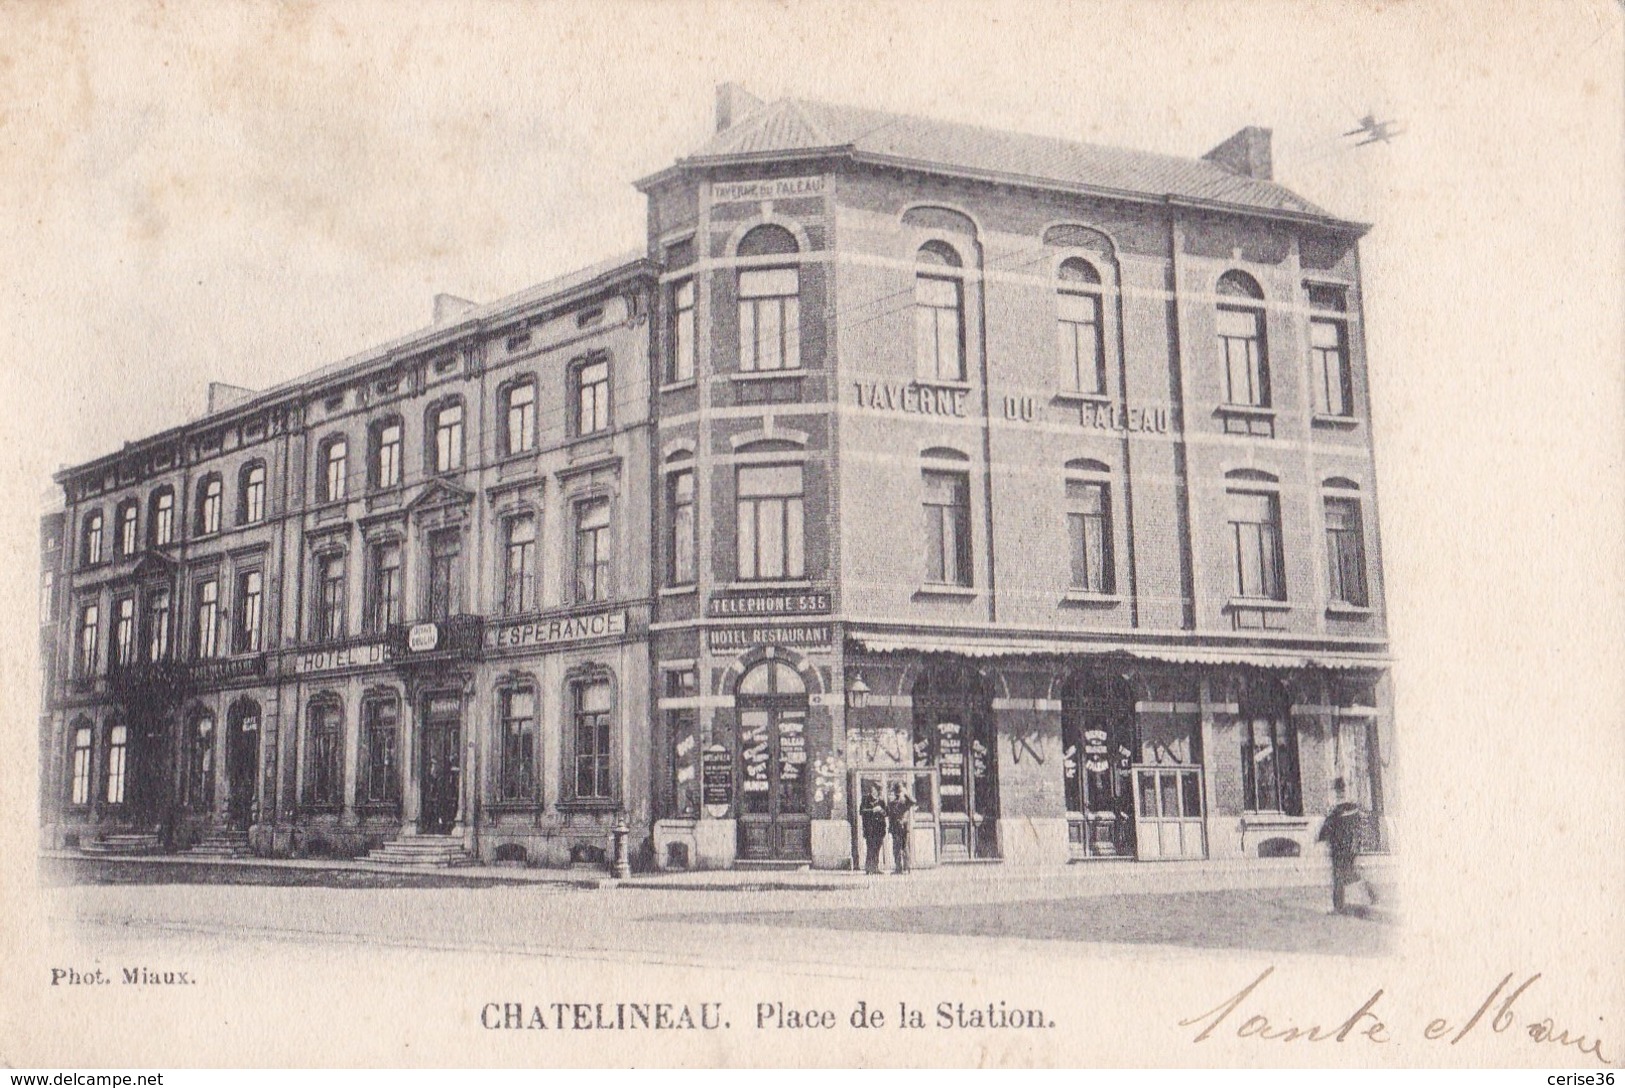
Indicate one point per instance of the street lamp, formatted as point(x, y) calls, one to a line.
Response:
point(857, 693)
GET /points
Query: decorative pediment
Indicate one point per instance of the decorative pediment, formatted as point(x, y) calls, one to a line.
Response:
point(153, 564)
point(438, 493)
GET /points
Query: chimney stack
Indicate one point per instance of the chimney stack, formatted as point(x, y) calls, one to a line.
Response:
point(1246, 153)
point(449, 308)
point(223, 395)
point(734, 104)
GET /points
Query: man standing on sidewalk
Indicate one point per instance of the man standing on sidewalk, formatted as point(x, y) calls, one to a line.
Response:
point(1341, 834)
point(899, 815)
point(872, 816)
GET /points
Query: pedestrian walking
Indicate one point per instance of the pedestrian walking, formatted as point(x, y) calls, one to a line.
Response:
point(899, 818)
point(872, 817)
point(1341, 834)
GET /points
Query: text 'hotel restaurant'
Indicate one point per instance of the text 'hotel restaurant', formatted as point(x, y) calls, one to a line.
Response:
point(1034, 476)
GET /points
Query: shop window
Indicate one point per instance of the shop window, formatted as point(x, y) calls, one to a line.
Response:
point(89, 632)
point(126, 519)
point(1089, 532)
point(519, 565)
point(947, 528)
point(939, 313)
point(592, 706)
point(1241, 341)
point(206, 631)
point(682, 728)
point(386, 436)
point(590, 382)
point(332, 458)
point(330, 593)
point(384, 599)
point(1345, 552)
point(1255, 529)
point(681, 368)
point(124, 632)
point(251, 493)
point(517, 778)
point(324, 770)
point(1269, 762)
point(1079, 338)
point(445, 581)
point(381, 737)
point(158, 625)
point(200, 764)
point(250, 601)
point(769, 303)
point(211, 498)
point(680, 570)
point(79, 790)
point(90, 550)
point(446, 436)
point(771, 530)
point(592, 546)
point(118, 739)
point(519, 417)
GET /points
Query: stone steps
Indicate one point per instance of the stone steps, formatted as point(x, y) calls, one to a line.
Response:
point(441, 852)
point(222, 844)
point(122, 845)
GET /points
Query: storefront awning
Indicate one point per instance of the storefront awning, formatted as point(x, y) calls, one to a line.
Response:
point(970, 646)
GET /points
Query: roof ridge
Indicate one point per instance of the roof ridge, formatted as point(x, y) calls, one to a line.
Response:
point(824, 138)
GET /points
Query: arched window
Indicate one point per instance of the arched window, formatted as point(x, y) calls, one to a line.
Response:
point(251, 493)
point(518, 410)
point(210, 498)
point(332, 467)
point(769, 303)
point(163, 516)
point(91, 543)
point(200, 763)
point(939, 313)
point(1079, 337)
point(384, 464)
point(126, 533)
point(1241, 340)
point(1089, 526)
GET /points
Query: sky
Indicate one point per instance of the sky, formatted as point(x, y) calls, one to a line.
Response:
point(242, 192)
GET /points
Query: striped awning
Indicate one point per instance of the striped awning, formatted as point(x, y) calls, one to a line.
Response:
point(971, 646)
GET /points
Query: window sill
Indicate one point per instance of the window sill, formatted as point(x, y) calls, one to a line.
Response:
point(1258, 604)
point(679, 386)
point(1342, 423)
point(378, 808)
point(1072, 396)
point(944, 383)
point(783, 583)
point(589, 806)
point(1245, 411)
point(1348, 611)
point(1080, 596)
point(679, 591)
point(513, 808)
point(766, 375)
point(1274, 820)
point(945, 591)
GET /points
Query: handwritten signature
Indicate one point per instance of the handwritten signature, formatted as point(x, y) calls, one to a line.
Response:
point(1368, 1023)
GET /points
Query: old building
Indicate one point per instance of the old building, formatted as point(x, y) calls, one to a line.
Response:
point(1033, 477)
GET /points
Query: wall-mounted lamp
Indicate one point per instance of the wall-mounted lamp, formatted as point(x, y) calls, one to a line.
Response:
point(857, 693)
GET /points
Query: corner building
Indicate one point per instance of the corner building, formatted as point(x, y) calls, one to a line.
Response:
point(1034, 476)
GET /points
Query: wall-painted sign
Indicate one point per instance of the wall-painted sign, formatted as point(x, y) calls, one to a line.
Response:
point(717, 779)
point(744, 638)
point(921, 400)
point(769, 604)
point(237, 668)
point(1116, 417)
point(553, 632)
point(423, 637)
point(725, 192)
point(345, 657)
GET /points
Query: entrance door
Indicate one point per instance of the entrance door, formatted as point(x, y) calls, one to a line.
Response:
point(922, 786)
point(242, 763)
point(953, 736)
point(442, 740)
point(1170, 808)
point(1356, 761)
point(773, 824)
point(1098, 746)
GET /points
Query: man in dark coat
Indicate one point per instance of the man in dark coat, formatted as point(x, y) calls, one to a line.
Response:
point(872, 816)
point(1341, 834)
point(899, 819)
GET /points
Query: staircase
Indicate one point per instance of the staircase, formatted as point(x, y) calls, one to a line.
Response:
point(221, 844)
point(436, 851)
point(122, 845)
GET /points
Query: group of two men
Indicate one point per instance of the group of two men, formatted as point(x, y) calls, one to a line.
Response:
point(880, 816)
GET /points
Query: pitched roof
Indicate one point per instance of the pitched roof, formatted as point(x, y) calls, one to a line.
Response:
point(800, 126)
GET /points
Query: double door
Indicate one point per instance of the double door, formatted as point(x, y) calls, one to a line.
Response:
point(918, 783)
point(773, 823)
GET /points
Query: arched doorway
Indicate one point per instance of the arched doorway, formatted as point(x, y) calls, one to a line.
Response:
point(242, 762)
point(953, 733)
point(772, 703)
point(1098, 746)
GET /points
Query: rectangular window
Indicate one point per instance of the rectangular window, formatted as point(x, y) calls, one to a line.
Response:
point(385, 604)
point(592, 397)
point(387, 466)
point(47, 596)
point(593, 706)
point(1089, 527)
point(680, 525)
point(334, 471)
point(250, 596)
point(770, 528)
point(517, 779)
point(254, 495)
point(947, 528)
point(592, 550)
point(1328, 349)
point(1241, 337)
point(1079, 340)
point(158, 625)
point(939, 330)
point(682, 726)
point(330, 598)
point(326, 779)
point(521, 417)
point(124, 631)
point(118, 738)
point(81, 766)
point(519, 565)
point(1269, 766)
point(1345, 552)
point(382, 741)
point(770, 319)
point(445, 589)
point(682, 332)
point(448, 438)
point(1255, 526)
point(89, 632)
point(206, 637)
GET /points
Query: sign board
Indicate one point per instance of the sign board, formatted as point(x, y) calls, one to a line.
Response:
point(344, 657)
point(555, 632)
point(769, 604)
point(728, 192)
point(423, 637)
point(745, 638)
point(717, 780)
point(226, 669)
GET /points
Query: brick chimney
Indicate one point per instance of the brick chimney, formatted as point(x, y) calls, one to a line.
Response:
point(734, 104)
point(1246, 153)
